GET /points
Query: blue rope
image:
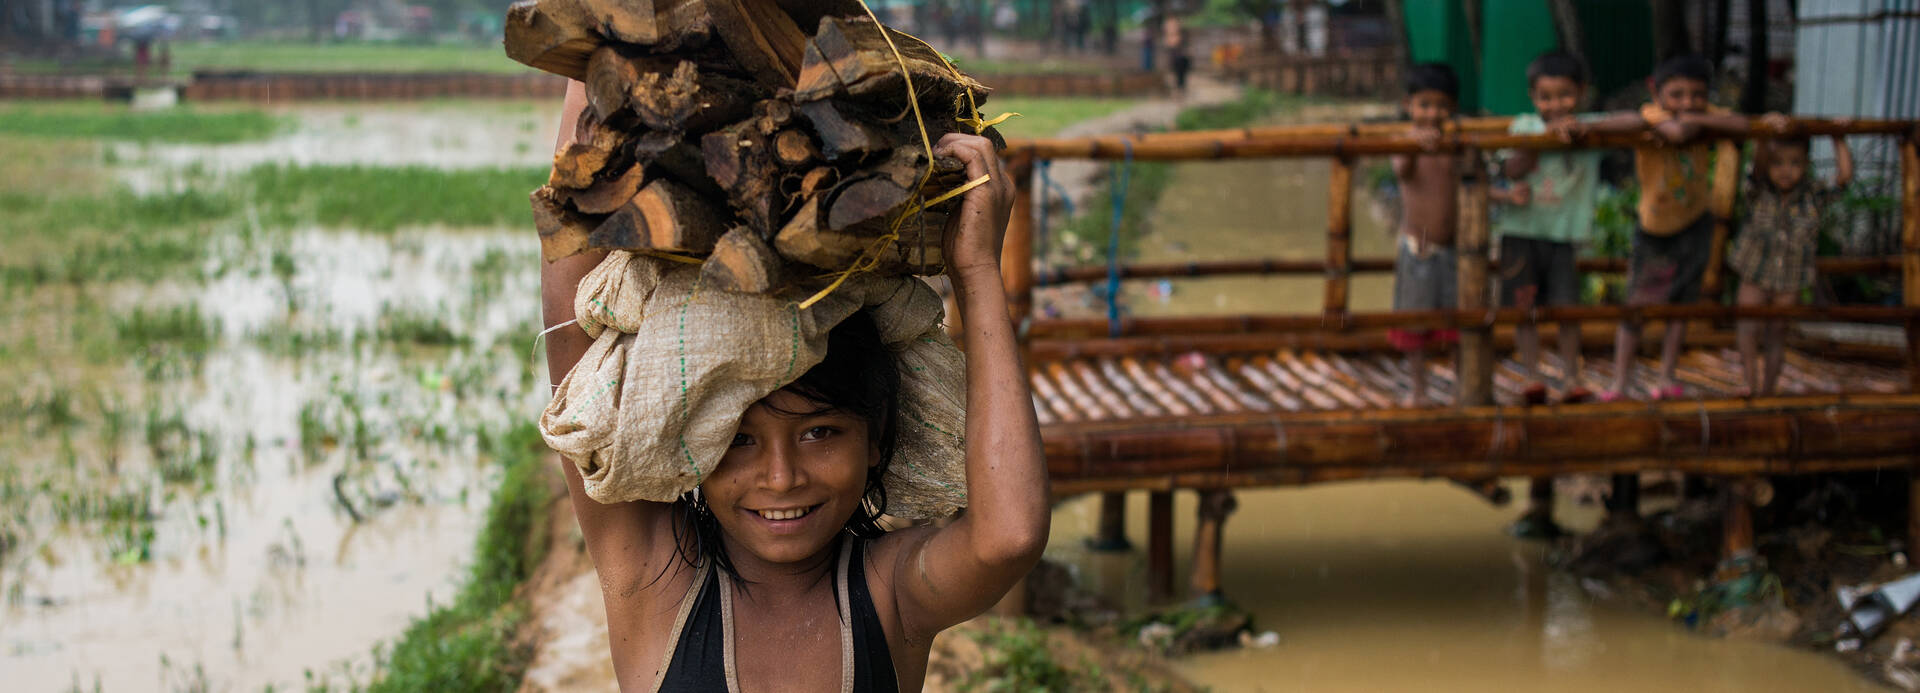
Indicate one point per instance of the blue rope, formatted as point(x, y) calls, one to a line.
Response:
point(1122, 172)
point(1046, 206)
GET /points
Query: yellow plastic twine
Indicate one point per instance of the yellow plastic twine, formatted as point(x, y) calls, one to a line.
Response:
point(870, 258)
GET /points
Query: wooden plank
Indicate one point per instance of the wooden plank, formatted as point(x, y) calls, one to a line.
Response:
point(1136, 397)
point(1266, 384)
point(1173, 404)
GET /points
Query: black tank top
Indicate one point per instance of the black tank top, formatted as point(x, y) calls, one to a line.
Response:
point(702, 657)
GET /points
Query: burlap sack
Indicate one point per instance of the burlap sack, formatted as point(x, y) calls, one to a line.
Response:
point(650, 409)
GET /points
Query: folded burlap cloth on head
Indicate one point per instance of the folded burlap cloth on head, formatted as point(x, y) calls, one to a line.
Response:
point(650, 409)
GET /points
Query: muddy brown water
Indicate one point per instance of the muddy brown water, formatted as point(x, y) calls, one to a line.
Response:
point(254, 574)
point(1386, 585)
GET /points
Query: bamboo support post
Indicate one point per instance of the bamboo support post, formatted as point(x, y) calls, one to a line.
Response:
point(1623, 502)
point(1159, 546)
point(1910, 249)
point(1215, 506)
point(1726, 178)
point(1339, 237)
point(1016, 250)
point(1476, 342)
point(1112, 533)
point(1736, 535)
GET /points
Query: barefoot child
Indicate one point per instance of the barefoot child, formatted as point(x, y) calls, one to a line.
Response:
point(1673, 238)
point(1424, 270)
point(1550, 213)
point(1773, 255)
point(772, 570)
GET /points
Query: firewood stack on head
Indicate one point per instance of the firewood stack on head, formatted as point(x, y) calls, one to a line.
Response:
point(774, 139)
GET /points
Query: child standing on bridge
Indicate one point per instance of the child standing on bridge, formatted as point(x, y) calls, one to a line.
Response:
point(1424, 270)
point(1774, 253)
point(1550, 213)
point(1673, 238)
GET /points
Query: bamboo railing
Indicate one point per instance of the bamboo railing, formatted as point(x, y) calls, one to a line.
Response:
point(1159, 447)
point(1342, 142)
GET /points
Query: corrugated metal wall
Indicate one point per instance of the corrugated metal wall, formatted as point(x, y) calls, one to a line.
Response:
point(1860, 58)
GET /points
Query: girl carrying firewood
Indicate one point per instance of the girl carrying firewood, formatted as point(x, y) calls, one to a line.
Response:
point(774, 572)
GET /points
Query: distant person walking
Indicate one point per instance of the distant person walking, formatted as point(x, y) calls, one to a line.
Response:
point(1179, 58)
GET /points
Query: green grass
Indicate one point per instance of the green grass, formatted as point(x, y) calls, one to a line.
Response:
point(469, 645)
point(89, 119)
point(1146, 181)
point(302, 56)
point(387, 198)
point(1044, 117)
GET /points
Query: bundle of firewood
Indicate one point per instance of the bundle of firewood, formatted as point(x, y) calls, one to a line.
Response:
point(773, 138)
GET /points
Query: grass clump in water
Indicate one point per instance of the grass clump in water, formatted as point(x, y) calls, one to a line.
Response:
point(409, 327)
point(182, 327)
point(376, 198)
point(116, 122)
point(469, 645)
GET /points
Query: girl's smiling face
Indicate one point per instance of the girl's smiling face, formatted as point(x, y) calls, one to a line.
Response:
point(794, 475)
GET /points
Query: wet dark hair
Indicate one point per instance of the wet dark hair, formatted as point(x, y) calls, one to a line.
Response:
point(858, 376)
point(1556, 64)
point(1690, 66)
point(1433, 77)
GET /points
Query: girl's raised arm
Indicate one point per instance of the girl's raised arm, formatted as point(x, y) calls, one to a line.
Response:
point(615, 533)
point(952, 574)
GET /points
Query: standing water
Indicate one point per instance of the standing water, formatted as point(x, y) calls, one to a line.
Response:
point(243, 454)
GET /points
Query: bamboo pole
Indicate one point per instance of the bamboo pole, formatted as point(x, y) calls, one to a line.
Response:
point(1339, 237)
point(1476, 344)
point(1112, 534)
point(1442, 319)
point(1016, 250)
point(1726, 178)
point(1891, 264)
point(1159, 546)
point(1736, 527)
point(1208, 541)
point(1910, 248)
point(1230, 144)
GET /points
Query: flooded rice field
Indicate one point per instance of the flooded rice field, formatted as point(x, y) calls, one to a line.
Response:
point(241, 446)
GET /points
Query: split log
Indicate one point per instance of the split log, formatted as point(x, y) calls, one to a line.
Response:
point(843, 131)
point(664, 93)
point(742, 262)
point(553, 35)
point(608, 194)
point(740, 159)
point(849, 57)
point(563, 232)
point(674, 157)
point(664, 216)
point(817, 180)
point(917, 251)
point(664, 25)
point(596, 147)
point(762, 37)
point(873, 195)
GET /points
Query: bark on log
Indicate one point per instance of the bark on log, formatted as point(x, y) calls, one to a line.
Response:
point(552, 35)
point(762, 37)
point(740, 159)
point(596, 147)
point(842, 131)
point(608, 194)
point(917, 251)
point(665, 216)
point(563, 232)
point(742, 262)
point(665, 25)
point(849, 57)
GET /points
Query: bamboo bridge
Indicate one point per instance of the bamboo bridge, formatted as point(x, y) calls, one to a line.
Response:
point(1211, 404)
